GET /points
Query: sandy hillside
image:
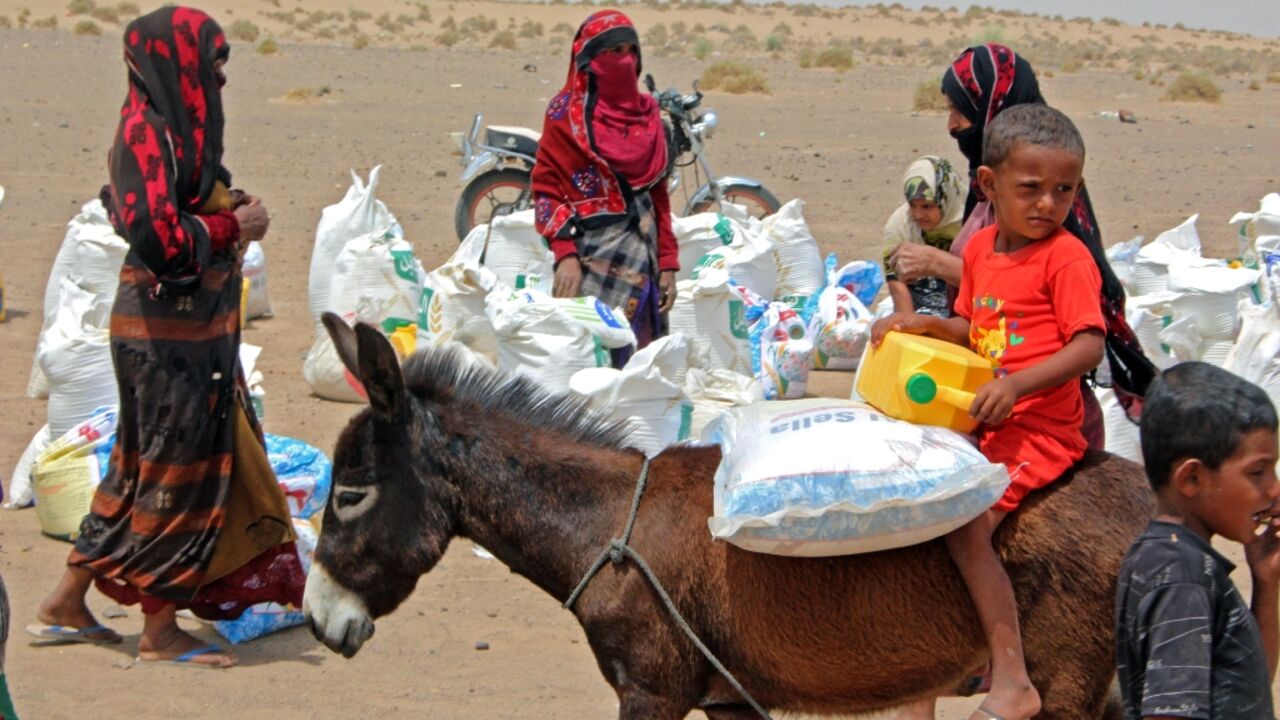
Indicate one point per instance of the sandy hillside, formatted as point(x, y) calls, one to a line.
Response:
point(333, 97)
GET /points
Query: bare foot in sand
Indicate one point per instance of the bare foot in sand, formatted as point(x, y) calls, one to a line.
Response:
point(163, 640)
point(65, 606)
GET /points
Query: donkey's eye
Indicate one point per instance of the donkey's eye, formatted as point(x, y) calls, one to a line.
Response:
point(348, 498)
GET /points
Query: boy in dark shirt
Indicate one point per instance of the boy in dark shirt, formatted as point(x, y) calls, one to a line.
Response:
point(1188, 647)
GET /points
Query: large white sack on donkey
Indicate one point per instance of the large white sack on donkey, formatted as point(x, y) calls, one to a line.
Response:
point(91, 254)
point(541, 342)
point(716, 392)
point(708, 311)
point(512, 248)
point(820, 477)
point(697, 235)
point(75, 356)
point(1122, 437)
point(376, 281)
point(358, 213)
point(254, 269)
point(795, 250)
point(654, 406)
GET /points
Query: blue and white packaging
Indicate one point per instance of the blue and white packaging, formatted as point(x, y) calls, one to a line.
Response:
point(822, 477)
point(266, 618)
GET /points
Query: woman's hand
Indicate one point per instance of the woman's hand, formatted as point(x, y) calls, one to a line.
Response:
point(667, 290)
point(913, 261)
point(568, 278)
point(253, 219)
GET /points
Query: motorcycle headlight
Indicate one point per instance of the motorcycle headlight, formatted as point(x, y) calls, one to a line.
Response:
point(709, 122)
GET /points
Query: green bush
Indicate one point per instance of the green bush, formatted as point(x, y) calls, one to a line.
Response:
point(837, 58)
point(49, 23)
point(243, 30)
point(87, 27)
point(360, 42)
point(774, 43)
point(268, 47)
point(448, 38)
point(929, 97)
point(107, 15)
point(80, 7)
point(1193, 87)
point(702, 48)
point(733, 77)
point(505, 40)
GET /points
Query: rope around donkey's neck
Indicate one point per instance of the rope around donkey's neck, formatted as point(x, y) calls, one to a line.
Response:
point(620, 549)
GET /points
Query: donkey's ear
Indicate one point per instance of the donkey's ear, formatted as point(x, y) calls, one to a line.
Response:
point(380, 373)
point(344, 341)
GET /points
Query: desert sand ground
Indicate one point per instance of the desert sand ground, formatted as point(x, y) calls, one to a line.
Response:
point(298, 119)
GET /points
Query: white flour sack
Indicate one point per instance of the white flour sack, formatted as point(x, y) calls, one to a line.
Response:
point(656, 409)
point(714, 317)
point(540, 341)
point(1121, 432)
point(820, 477)
point(795, 250)
point(515, 252)
point(91, 255)
point(75, 356)
point(358, 213)
point(1264, 222)
point(697, 235)
point(715, 393)
point(748, 261)
point(1256, 354)
point(1178, 246)
point(375, 280)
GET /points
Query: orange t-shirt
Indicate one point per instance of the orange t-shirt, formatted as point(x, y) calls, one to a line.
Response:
point(1022, 308)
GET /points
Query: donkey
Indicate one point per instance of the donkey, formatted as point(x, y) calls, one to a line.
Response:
point(448, 448)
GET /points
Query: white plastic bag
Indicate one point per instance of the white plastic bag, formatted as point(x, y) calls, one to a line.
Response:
point(840, 329)
point(697, 235)
point(20, 494)
point(716, 392)
point(820, 477)
point(1183, 339)
point(1121, 257)
point(254, 270)
point(782, 353)
point(654, 406)
point(358, 213)
point(1121, 432)
point(91, 255)
point(540, 341)
point(708, 312)
point(1148, 315)
point(515, 252)
point(795, 250)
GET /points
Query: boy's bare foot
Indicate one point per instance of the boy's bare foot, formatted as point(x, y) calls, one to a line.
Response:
point(172, 643)
point(1009, 699)
point(918, 710)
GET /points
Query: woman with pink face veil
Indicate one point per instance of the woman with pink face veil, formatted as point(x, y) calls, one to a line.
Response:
point(599, 184)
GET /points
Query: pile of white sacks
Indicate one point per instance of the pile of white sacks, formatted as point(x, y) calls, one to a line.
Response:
point(756, 310)
point(72, 364)
point(1184, 306)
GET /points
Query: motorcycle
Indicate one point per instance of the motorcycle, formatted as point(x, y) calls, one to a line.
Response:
point(497, 171)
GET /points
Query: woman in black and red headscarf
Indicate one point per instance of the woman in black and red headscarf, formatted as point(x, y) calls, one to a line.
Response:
point(188, 515)
point(983, 81)
point(599, 184)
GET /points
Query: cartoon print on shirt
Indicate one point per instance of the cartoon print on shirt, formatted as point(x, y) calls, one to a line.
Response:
point(990, 343)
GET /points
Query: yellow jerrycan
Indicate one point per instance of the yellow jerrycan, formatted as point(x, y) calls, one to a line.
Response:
point(923, 380)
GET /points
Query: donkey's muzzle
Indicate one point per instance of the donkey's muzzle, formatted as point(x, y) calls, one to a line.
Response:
point(336, 616)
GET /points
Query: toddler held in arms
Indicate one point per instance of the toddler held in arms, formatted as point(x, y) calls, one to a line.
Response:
point(1028, 302)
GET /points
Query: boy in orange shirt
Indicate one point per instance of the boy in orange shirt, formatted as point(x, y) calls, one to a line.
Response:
point(1028, 302)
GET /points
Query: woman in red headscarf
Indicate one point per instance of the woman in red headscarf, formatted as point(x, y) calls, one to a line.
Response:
point(189, 514)
point(599, 184)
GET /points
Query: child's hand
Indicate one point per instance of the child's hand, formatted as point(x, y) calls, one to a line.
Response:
point(907, 322)
point(994, 401)
point(1263, 554)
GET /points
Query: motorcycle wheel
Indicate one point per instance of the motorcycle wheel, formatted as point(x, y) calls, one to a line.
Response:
point(759, 201)
point(495, 193)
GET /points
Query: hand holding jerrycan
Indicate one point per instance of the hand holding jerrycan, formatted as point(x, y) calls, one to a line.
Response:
point(923, 380)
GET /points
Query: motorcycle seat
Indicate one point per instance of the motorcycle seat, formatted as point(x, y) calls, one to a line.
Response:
point(514, 139)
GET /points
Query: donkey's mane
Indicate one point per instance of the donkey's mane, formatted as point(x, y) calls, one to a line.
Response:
point(447, 372)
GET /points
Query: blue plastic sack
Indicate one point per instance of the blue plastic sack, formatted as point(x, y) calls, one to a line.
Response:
point(303, 471)
point(266, 618)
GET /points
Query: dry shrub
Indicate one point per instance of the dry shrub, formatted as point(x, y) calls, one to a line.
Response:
point(806, 58)
point(836, 58)
point(1193, 87)
point(1273, 77)
point(531, 29)
point(565, 28)
point(733, 77)
point(929, 97)
point(268, 47)
point(49, 23)
point(243, 30)
point(5, 22)
point(107, 15)
point(80, 7)
point(87, 27)
point(355, 15)
point(505, 40)
point(448, 38)
point(360, 42)
point(1254, 86)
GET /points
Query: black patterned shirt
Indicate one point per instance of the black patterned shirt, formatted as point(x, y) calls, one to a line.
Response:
point(1187, 645)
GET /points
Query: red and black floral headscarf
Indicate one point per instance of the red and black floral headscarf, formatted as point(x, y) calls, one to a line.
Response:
point(985, 80)
point(167, 154)
point(602, 138)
